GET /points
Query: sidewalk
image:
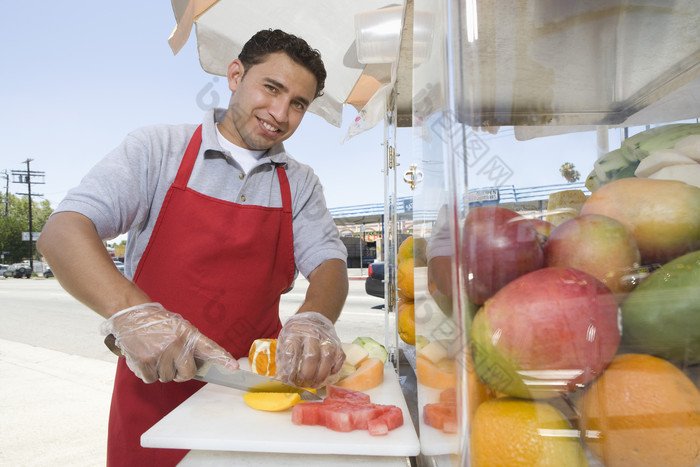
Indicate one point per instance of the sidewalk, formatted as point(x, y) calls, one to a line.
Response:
point(42, 395)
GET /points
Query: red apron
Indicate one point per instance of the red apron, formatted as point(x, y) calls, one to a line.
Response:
point(221, 265)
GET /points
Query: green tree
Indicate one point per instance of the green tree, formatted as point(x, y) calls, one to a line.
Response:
point(17, 221)
point(569, 172)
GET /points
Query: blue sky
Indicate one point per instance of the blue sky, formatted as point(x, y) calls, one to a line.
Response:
point(80, 75)
point(77, 77)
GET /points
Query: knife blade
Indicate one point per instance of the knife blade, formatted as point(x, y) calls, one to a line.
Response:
point(210, 372)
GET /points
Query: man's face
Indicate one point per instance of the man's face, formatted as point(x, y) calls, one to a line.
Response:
point(268, 101)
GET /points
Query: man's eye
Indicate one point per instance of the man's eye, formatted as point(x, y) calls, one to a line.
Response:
point(270, 88)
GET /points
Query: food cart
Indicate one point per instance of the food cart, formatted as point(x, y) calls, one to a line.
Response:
point(574, 345)
point(551, 367)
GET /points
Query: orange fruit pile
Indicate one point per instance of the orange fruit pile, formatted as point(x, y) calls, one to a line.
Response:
point(404, 281)
point(262, 357)
point(516, 432)
point(642, 411)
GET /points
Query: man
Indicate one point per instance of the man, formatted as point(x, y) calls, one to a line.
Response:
point(219, 220)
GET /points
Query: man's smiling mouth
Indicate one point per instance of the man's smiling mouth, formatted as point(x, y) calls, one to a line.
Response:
point(269, 127)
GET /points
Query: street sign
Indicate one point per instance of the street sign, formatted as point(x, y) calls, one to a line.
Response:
point(35, 236)
point(486, 196)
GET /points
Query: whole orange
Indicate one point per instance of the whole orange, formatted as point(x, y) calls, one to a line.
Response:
point(642, 411)
point(404, 278)
point(405, 250)
point(413, 248)
point(407, 321)
point(513, 432)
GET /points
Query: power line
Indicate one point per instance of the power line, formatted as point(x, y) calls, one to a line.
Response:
point(27, 177)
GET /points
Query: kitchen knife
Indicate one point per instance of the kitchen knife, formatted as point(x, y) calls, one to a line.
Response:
point(239, 379)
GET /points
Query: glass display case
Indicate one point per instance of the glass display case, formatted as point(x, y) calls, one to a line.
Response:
point(556, 232)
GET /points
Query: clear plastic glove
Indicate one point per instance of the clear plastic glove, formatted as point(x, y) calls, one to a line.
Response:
point(309, 352)
point(160, 345)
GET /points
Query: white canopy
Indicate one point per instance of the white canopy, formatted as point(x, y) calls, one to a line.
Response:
point(223, 26)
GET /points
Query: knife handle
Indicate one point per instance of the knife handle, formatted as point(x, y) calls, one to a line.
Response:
point(111, 343)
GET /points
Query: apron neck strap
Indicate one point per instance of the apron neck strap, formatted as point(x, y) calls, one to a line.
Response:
point(188, 160)
point(284, 188)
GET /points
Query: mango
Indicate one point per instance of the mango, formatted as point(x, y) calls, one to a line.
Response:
point(661, 316)
point(598, 245)
point(546, 333)
point(663, 215)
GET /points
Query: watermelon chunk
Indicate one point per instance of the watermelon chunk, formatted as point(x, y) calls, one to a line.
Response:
point(338, 418)
point(347, 410)
point(441, 415)
point(377, 427)
point(349, 395)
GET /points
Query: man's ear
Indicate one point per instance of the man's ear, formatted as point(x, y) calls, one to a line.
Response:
point(235, 74)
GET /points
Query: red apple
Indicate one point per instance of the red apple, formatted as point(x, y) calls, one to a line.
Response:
point(543, 228)
point(499, 245)
point(598, 245)
point(546, 333)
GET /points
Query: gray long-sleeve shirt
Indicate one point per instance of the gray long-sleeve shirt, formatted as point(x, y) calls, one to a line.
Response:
point(125, 190)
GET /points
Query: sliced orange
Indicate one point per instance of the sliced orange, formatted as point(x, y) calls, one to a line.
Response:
point(262, 357)
point(271, 401)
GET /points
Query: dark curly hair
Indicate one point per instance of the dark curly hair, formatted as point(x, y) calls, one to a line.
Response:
point(270, 41)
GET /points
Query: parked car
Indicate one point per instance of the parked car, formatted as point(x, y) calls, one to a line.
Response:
point(18, 270)
point(48, 273)
point(3, 268)
point(374, 284)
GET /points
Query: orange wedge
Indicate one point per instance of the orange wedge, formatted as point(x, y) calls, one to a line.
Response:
point(271, 401)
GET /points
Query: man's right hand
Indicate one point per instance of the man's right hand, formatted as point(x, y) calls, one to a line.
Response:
point(160, 345)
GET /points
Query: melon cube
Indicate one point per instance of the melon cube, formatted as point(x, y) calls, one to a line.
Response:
point(354, 353)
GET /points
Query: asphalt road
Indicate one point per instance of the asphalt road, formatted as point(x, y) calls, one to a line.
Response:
point(57, 375)
point(40, 313)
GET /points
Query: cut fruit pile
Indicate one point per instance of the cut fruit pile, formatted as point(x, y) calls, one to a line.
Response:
point(363, 368)
point(435, 368)
point(364, 364)
point(347, 410)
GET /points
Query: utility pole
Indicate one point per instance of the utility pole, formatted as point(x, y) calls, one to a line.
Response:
point(7, 191)
point(27, 177)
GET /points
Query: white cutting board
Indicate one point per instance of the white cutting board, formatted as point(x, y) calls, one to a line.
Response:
point(216, 418)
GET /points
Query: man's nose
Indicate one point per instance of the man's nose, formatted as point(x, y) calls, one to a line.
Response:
point(279, 109)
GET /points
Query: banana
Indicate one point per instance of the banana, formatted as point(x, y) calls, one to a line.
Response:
point(593, 182)
point(623, 162)
point(688, 173)
point(657, 160)
point(690, 146)
point(642, 144)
